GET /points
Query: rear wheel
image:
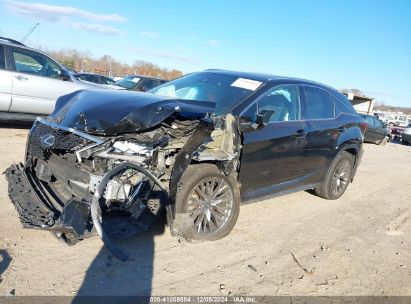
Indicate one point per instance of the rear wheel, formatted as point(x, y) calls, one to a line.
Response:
point(211, 200)
point(338, 177)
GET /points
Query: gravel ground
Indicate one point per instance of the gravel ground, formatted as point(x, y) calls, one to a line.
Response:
point(292, 245)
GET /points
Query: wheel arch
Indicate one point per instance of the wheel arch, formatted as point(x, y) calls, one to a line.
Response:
point(356, 151)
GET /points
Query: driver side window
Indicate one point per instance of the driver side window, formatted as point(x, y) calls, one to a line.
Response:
point(282, 103)
point(29, 62)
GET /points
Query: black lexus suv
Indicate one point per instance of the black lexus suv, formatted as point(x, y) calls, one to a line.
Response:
point(198, 146)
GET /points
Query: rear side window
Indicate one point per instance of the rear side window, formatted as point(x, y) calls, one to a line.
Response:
point(2, 58)
point(318, 103)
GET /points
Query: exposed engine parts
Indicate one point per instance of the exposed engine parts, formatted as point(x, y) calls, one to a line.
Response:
point(78, 185)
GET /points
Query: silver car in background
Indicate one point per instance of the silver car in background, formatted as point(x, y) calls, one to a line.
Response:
point(31, 82)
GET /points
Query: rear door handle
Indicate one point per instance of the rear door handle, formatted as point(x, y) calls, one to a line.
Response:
point(19, 77)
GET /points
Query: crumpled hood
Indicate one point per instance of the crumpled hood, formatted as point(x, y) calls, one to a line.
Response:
point(112, 112)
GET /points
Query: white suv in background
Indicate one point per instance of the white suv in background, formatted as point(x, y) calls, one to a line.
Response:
point(31, 82)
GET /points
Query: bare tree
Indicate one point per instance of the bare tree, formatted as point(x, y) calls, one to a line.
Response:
point(109, 66)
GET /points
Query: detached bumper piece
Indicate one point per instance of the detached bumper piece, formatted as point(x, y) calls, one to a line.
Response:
point(27, 199)
point(35, 211)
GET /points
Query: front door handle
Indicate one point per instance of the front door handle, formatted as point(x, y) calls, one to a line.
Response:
point(19, 77)
point(300, 133)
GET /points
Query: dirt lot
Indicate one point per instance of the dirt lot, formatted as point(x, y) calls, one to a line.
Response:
point(293, 245)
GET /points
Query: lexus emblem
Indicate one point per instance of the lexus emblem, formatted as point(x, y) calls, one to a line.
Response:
point(47, 140)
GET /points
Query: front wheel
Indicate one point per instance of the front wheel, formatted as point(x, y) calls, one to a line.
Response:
point(338, 177)
point(211, 200)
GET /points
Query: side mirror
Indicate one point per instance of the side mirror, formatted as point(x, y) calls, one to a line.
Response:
point(64, 75)
point(263, 118)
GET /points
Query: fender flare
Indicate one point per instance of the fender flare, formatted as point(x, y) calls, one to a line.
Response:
point(357, 155)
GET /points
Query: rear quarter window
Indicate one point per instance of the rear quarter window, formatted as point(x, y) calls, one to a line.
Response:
point(318, 103)
point(343, 105)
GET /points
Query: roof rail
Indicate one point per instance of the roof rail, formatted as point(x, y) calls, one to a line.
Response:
point(12, 41)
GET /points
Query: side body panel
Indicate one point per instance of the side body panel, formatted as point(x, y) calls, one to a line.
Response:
point(271, 158)
point(275, 161)
point(6, 82)
point(6, 86)
point(37, 94)
point(325, 139)
point(31, 92)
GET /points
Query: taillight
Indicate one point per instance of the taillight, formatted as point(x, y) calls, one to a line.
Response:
point(363, 127)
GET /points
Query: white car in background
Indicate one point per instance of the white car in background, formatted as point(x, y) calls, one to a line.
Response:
point(31, 82)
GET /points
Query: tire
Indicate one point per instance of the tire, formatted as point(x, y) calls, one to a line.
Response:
point(336, 181)
point(384, 141)
point(191, 200)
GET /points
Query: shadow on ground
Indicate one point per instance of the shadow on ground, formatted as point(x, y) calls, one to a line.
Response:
point(14, 125)
point(108, 276)
point(5, 260)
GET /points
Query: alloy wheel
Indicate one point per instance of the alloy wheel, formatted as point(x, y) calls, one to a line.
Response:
point(210, 204)
point(341, 177)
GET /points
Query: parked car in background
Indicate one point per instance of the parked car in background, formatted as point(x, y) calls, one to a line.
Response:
point(377, 131)
point(406, 135)
point(31, 82)
point(197, 146)
point(398, 120)
point(117, 78)
point(139, 83)
point(95, 78)
point(396, 133)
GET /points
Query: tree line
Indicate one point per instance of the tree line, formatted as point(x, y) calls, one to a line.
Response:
point(83, 61)
point(383, 107)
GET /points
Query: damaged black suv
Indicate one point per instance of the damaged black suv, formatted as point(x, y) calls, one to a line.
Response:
point(108, 162)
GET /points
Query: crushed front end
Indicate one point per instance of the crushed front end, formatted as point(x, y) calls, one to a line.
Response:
point(109, 170)
point(54, 188)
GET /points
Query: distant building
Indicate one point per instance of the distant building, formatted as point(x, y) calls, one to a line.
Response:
point(362, 104)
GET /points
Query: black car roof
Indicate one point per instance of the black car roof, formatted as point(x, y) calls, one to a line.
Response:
point(267, 77)
point(10, 41)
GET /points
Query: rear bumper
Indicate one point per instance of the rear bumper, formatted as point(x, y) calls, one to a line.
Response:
point(36, 211)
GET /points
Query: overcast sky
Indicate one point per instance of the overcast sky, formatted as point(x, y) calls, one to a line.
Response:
point(346, 44)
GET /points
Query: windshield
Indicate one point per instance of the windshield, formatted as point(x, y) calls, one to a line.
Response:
point(225, 91)
point(128, 82)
